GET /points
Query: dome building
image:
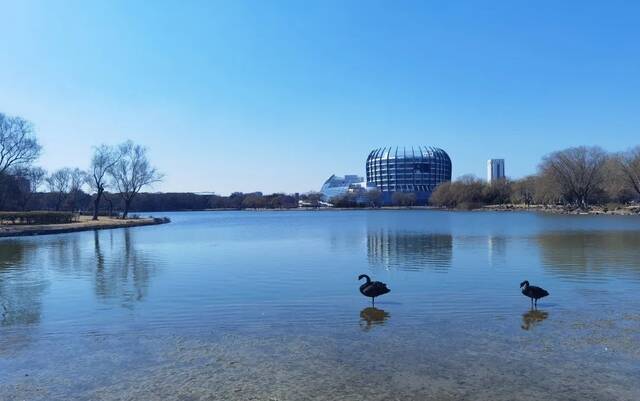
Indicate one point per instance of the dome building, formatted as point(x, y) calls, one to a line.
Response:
point(336, 186)
point(418, 170)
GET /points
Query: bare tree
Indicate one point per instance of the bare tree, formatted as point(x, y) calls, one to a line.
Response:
point(524, 190)
point(498, 192)
point(629, 163)
point(77, 179)
point(59, 183)
point(18, 144)
point(104, 159)
point(32, 179)
point(578, 171)
point(374, 197)
point(132, 172)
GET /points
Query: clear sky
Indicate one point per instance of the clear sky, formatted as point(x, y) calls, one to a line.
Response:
point(278, 95)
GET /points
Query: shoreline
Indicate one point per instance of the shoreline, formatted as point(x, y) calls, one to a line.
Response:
point(616, 210)
point(546, 209)
point(85, 224)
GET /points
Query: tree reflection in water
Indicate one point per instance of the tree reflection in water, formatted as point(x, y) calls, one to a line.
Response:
point(21, 286)
point(583, 254)
point(370, 317)
point(409, 251)
point(122, 272)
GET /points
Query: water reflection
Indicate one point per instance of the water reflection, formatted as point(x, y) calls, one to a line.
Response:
point(409, 251)
point(370, 317)
point(497, 246)
point(582, 254)
point(21, 288)
point(122, 272)
point(118, 270)
point(12, 254)
point(533, 318)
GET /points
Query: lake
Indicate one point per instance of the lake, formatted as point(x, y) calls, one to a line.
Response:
point(265, 306)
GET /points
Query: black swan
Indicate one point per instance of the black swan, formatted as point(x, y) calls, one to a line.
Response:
point(372, 289)
point(533, 292)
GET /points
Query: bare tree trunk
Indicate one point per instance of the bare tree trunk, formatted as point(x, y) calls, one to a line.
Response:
point(96, 203)
point(58, 202)
point(110, 206)
point(127, 203)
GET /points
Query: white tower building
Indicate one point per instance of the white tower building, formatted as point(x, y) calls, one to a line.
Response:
point(495, 169)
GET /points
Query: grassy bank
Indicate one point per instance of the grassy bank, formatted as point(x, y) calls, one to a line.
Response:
point(84, 223)
point(616, 210)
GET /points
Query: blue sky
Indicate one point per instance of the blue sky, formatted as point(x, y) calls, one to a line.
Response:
point(278, 95)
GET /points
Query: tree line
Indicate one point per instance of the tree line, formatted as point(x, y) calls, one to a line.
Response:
point(578, 177)
point(124, 169)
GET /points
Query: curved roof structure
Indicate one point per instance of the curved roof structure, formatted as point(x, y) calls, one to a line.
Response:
point(413, 152)
point(416, 170)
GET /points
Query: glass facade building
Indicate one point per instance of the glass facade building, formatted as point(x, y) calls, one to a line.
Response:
point(417, 170)
point(495, 170)
point(336, 186)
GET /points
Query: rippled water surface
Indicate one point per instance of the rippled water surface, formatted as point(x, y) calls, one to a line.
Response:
point(265, 306)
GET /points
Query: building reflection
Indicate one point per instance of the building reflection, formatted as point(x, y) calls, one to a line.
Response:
point(370, 317)
point(409, 251)
point(533, 318)
point(497, 246)
point(586, 254)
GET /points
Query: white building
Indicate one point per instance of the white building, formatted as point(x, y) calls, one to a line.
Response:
point(336, 186)
point(495, 169)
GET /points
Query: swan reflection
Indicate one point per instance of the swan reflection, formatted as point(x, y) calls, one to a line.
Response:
point(370, 317)
point(533, 318)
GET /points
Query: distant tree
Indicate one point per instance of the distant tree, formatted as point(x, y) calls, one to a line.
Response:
point(524, 190)
point(217, 202)
point(374, 197)
point(616, 186)
point(234, 201)
point(18, 144)
point(313, 198)
point(253, 201)
point(442, 195)
point(467, 192)
point(77, 180)
point(629, 164)
point(103, 160)
point(497, 192)
point(132, 172)
point(548, 191)
point(578, 171)
point(59, 183)
point(281, 201)
point(403, 199)
point(11, 187)
point(347, 200)
point(32, 180)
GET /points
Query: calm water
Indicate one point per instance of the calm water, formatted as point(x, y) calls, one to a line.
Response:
point(265, 306)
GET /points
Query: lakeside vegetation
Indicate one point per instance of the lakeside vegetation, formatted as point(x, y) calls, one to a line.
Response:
point(74, 223)
point(124, 168)
point(40, 217)
point(574, 178)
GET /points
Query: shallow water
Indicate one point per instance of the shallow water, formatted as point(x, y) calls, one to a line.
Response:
point(265, 306)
